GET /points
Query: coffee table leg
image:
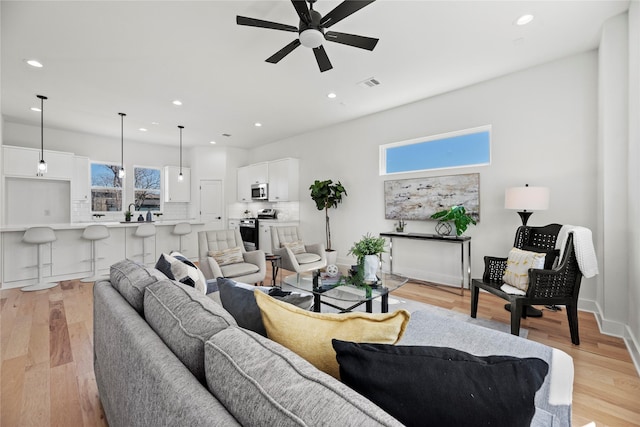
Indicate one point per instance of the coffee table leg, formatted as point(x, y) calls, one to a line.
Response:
point(316, 303)
point(369, 305)
point(385, 303)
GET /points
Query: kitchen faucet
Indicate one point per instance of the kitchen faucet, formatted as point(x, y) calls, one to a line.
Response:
point(129, 207)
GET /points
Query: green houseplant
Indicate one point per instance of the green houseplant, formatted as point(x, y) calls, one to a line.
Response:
point(327, 194)
point(458, 215)
point(368, 250)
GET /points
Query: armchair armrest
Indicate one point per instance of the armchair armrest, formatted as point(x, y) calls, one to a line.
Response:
point(255, 257)
point(315, 248)
point(549, 284)
point(494, 269)
point(214, 267)
point(289, 261)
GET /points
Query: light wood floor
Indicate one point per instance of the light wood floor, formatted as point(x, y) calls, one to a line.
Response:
point(47, 368)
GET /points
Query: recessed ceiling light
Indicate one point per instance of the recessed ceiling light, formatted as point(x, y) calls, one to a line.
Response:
point(257, 124)
point(177, 102)
point(524, 19)
point(142, 129)
point(34, 63)
point(155, 123)
point(331, 95)
point(212, 142)
point(35, 109)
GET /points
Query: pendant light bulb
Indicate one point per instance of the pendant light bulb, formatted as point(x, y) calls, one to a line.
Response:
point(180, 176)
point(42, 165)
point(121, 172)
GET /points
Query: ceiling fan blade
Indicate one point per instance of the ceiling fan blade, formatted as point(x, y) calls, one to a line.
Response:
point(354, 40)
point(252, 22)
point(343, 10)
point(303, 10)
point(322, 59)
point(276, 57)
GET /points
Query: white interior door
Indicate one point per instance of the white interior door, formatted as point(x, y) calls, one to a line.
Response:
point(211, 203)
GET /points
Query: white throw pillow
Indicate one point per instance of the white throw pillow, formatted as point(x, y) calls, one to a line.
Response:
point(227, 256)
point(297, 247)
point(518, 264)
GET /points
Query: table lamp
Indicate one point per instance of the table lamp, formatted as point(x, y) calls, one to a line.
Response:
point(526, 200)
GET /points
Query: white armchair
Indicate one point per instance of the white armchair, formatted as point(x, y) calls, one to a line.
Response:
point(296, 256)
point(233, 261)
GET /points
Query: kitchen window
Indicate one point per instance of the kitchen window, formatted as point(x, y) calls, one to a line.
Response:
point(106, 188)
point(147, 188)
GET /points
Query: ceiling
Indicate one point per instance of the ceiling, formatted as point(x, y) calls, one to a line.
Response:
point(136, 57)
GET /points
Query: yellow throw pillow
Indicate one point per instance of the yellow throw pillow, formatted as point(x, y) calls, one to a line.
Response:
point(297, 247)
point(309, 334)
point(227, 256)
point(518, 264)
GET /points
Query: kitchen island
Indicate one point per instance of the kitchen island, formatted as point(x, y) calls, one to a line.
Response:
point(69, 257)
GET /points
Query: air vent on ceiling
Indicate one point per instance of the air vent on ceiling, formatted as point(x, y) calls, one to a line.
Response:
point(226, 134)
point(370, 82)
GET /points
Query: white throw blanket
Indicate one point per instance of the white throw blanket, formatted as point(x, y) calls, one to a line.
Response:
point(583, 247)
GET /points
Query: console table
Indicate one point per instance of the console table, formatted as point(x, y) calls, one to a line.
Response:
point(460, 240)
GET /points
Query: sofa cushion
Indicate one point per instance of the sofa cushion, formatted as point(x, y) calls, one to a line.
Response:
point(461, 389)
point(307, 257)
point(239, 269)
point(130, 279)
point(309, 334)
point(518, 264)
point(264, 384)
point(184, 319)
point(238, 300)
point(177, 267)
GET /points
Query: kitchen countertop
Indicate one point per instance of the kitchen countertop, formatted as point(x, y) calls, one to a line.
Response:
point(110, 224)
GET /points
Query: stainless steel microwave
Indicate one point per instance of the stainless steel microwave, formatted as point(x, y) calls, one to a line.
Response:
point(260, 191)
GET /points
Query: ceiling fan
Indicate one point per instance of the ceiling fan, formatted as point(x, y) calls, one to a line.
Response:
point(312, 30)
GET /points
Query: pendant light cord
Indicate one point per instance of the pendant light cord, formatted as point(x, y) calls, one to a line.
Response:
point(181, 127)
point(122, 140)
point(42, 98)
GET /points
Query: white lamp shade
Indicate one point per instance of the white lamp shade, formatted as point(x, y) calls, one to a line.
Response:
point(527, 198)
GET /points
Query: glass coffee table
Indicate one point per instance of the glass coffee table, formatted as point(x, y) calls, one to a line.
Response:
point(347, 297)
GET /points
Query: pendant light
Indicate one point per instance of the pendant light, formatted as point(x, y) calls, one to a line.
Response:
point(42, 165)
point(121, 172)
point(180, 176)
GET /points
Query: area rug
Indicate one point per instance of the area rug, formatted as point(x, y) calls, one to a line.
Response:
point(411, 306)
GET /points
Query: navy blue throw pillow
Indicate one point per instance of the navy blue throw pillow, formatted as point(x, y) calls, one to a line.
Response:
point(441, 386)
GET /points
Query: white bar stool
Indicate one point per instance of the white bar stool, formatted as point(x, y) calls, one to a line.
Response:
point(93, 233)
point(144, 231)
point(182, 229)
point(39, 236)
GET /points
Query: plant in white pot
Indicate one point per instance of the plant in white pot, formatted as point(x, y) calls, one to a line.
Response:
point(367, 250)
point(327, 194)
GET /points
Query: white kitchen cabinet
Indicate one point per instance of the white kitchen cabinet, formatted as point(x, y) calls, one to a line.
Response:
point(257, 173)
point(233, 224)
point(20, 260)
point(284, 180)
point(174, 189)
point(71, 254)
point(21, 161)
point(80, 188)
point(134, 247)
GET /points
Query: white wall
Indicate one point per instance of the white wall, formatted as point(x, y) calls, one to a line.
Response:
point(544, 133)
point(633, 232)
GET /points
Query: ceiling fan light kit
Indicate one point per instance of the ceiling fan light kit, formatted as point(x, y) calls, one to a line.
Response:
point(311, 30)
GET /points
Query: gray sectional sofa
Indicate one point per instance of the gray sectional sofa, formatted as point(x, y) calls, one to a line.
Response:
point(165, 355)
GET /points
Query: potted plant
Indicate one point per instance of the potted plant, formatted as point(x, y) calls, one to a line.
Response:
point(367, 250)
point(458, 215)
point(327, 194)
point(127, 216)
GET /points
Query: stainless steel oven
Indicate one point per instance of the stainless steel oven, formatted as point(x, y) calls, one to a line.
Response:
point(249, 231)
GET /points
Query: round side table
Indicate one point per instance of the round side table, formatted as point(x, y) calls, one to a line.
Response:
point(276, 262)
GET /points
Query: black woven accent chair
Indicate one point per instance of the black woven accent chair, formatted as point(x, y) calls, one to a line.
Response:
point(550, 286)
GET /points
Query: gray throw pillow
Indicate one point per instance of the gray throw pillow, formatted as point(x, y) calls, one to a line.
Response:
point(238, 300)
